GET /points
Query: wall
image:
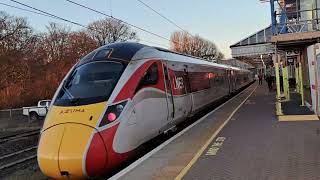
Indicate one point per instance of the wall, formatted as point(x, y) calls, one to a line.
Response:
point(312, 75)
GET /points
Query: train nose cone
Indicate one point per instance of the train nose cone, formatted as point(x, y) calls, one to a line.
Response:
point(63, 149)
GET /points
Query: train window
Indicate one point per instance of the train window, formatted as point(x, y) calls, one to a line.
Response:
point(199, 81)
point(102, 54)
point(87, 58)
point(89, 83)
point(150, 77)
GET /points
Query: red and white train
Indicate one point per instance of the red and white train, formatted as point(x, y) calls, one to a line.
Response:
point(120, 96)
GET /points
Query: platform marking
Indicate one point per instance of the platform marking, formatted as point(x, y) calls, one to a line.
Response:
point(204, 147)
point(288, 118)
point(143, 158)
point(213, 150)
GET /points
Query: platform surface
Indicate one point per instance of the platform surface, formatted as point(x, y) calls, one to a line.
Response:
point(251, 145)
point(293, 107)
point(257, 146)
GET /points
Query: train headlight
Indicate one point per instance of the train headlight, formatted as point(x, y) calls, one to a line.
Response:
point(112, 113)
point(120, 108)
point(112, 116)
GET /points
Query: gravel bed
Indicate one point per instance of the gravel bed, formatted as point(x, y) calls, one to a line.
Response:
point(17, 145)
point(18, 157)
point(27, 171)
point(8, 132)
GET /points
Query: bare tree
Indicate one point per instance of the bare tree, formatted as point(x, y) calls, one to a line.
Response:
point(109, 31)
point(195, 46)
point(15, 34)
point(33, 64)
point(16, 40)
point(55, 41)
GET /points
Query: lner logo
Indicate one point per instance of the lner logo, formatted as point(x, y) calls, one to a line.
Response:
point(178, 83)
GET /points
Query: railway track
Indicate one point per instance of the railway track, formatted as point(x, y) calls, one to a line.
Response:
point(19, 136)
point(18, 157)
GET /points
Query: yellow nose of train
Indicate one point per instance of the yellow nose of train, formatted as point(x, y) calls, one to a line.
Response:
point(65, 140)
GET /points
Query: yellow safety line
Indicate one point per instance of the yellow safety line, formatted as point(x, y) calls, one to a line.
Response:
point(298, 118)
point(204, 147)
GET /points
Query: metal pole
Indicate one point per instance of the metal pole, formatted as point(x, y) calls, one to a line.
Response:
point(284, 88)
point(10, 111)
point(278, 80)
point(286, 83)
point(301, 85)
point(315, 67)
point(273, 18)
point(276, 66)
point(297, 76)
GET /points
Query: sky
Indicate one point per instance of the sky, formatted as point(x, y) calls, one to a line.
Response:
point(223, 22)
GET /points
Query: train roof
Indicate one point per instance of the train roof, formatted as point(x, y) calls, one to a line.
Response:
point(155, 52)
point(123, 51)
point(131, 51)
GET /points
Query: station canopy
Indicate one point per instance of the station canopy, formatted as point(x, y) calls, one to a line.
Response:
point(254, 49)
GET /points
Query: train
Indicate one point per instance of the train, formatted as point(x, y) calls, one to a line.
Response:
point(120, 96)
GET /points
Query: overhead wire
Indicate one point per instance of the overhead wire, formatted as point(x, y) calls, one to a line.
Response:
point(8, 5)
point(164, 17)
point(47, 14)
point(129, 24)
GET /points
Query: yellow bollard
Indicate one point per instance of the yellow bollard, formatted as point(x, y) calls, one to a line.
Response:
point(286, 88)
point(301, 85)
point(278, 100)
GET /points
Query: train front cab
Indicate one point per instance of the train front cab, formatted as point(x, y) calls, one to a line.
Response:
point(103, 111)
point(70, 145)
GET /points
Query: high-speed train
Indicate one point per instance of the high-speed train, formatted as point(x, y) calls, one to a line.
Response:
point(120, 96)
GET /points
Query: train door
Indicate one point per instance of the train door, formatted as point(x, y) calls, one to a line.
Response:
point(150, 104)
point(169, 93)
point(233, 79)
point(188, 100)
point(228, 80)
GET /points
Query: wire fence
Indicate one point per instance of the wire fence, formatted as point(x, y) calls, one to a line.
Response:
point(13, 119)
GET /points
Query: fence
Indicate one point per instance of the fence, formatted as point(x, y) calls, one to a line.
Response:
point(13, 119)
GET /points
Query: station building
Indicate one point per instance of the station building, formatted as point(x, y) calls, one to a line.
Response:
point(289, 51)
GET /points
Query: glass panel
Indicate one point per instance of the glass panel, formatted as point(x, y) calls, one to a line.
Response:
point(89, 83)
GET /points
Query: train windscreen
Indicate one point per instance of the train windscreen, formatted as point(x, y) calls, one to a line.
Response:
point(89, 83)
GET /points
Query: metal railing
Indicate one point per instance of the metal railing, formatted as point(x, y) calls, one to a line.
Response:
point(11, 119)
point(297, 21)
point(298, 26)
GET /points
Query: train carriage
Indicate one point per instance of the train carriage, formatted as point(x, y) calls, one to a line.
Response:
point(120, 96)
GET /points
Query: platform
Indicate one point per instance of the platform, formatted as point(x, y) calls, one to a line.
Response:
point(241, 140)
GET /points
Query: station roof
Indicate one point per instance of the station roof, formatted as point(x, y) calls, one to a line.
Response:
point(255, 48)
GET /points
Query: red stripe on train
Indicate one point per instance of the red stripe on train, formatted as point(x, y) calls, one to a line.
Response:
point(96, 166)
point(129, 89)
